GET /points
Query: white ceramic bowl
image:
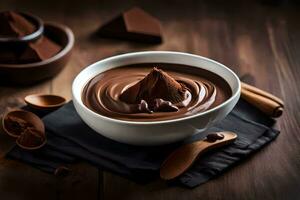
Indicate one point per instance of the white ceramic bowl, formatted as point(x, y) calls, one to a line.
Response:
point(157, 132)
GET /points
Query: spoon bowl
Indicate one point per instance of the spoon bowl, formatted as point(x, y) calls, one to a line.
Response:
point(45, 101)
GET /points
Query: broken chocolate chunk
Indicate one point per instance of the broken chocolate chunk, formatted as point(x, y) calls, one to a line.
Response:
point(143, 107)
point(212, 137)
point(31, 137)
point(161, 105)
point(39, 50)
point(16, 125)
point(134, 24)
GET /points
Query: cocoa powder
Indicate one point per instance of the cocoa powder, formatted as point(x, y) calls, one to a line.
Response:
point(156, 85)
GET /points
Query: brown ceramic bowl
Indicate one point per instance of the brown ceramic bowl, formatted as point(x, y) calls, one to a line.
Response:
point(29, 73)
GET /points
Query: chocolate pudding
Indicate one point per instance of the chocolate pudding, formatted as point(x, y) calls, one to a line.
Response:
point(154, 92)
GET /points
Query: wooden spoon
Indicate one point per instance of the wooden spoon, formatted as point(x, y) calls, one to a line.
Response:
point(181, 159)
point(26, 127)
point(45, 101)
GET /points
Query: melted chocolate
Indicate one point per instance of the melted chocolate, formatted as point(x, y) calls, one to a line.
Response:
point(203, 90)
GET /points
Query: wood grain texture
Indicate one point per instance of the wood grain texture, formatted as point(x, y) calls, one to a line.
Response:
point(261, 40)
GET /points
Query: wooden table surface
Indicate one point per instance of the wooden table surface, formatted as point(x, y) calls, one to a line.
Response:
point(251, 38)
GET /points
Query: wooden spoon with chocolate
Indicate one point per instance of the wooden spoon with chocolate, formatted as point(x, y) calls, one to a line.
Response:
point(45, 101)
point(181, 159)
point(26, 127)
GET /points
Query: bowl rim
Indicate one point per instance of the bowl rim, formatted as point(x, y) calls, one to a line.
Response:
point(60, 54)
point(120, 121)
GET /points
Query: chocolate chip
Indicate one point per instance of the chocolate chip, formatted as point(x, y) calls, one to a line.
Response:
point(161, 105)
point(143, 107)
point(212, 137)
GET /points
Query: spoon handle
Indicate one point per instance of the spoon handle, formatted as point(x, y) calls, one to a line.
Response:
point(182, 158)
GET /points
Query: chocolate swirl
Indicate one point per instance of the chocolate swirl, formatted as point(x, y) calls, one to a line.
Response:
point(128, 93)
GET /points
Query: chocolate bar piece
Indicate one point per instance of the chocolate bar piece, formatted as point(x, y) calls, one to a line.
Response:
point(134, 24)
point(39, 50)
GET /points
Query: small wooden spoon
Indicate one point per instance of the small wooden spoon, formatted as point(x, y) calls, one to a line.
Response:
point(181, 159)
point(45, 101)
point(18, 123)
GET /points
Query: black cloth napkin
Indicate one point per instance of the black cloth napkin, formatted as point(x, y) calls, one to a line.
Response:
point(71, 140)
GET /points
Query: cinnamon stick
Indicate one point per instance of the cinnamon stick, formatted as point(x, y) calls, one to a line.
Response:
point(266, 102)
point(262, 93)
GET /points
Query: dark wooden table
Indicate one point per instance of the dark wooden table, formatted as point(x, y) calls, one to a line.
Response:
point(249, 37)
